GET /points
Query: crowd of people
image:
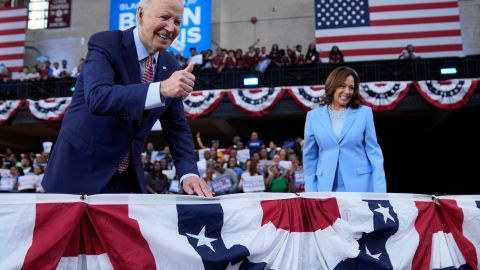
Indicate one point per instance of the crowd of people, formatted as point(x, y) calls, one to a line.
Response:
point(42, 71)
point(241, 167)
point(256, 58)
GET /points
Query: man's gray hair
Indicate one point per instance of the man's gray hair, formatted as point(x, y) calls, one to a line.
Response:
point(144, 3)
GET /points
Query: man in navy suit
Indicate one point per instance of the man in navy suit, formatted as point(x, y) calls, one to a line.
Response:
point(128, 82)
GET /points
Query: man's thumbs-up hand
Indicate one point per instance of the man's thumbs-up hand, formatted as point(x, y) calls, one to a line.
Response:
point(180, 83)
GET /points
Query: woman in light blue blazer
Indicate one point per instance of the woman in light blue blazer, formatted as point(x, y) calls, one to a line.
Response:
point(341, 152)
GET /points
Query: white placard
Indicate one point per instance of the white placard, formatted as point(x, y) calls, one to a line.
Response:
point(243, 155)
point(253, 183)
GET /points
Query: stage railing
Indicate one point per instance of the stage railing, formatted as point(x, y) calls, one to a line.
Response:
point(373, 71)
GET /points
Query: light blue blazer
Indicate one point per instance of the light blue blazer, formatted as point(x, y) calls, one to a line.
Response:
point(356, 151)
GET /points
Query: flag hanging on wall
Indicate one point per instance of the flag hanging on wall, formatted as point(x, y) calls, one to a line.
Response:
point(380, 29)
point(13, 22)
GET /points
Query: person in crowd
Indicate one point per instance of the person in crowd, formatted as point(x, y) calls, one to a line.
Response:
point(235, 146)
point(276, 181)
point(46, 71)
point(217, 60)
point(299, 57)
point(78, 68)
point(250, 58)
point(118, 97)
point(296, 170)
point(157, 182)
point(64, 73)
point(341, 152)
point(312, 56)
point(207, 59)
point(232, 164)
point(229, 61)
point(56, 71)
point(202, 163)
point(274, 56)
point(272, 149)
point(240, 61)
point(408, 53)
point(252, 174)
point(4, 73)
point(219, 171)
point(335, 56)
point(254, 144)
point(33, 75)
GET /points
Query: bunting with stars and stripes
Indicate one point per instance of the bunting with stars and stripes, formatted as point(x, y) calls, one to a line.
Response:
point(201, 103)
point(383, 96)
point(307, 97)
point(256, 102)
point(450, 94)
point(8, 108)
point(338, 231)
point(51, 109)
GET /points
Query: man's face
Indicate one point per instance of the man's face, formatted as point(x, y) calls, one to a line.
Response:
point(159, 23)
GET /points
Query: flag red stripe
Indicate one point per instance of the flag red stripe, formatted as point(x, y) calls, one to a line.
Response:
point(11, 56)
point(55, 226)
point(290, 215)
point(13, 19)
point(397, 50)
point(438, 19)
point(12, 44)
point(15, 8)
point(413, 7)
point(15, 69)
point(12, 31)
point(444, 33)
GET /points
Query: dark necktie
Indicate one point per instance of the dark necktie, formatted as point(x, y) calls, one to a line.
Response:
point(146, 78)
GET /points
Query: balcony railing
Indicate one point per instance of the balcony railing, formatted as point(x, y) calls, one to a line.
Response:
point(392, 70)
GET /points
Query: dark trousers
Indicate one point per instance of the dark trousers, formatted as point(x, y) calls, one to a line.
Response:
point(125, 182)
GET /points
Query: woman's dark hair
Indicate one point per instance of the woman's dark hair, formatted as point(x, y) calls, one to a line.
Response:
point(336, 79)
point(252, 169)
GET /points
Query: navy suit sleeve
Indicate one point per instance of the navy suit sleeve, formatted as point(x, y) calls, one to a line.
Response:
point(103, 95)
point(179, 138)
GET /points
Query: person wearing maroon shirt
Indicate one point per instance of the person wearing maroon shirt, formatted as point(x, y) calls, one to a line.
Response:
point(275, 56)
point(299, 55)
point(292, 57)
point(240, 63)
point(336, 56)
point(229, 61)
point(250, 58)
point(312, 56)
point(217, 60)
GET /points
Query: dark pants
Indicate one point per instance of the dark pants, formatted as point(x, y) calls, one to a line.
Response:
point(125, 182)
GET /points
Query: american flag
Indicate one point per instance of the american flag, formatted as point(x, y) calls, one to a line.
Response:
point(380, 29)
point(13, 22)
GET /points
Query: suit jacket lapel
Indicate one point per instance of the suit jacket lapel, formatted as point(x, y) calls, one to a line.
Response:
point(326, 122)
point(349, 120)
point(131, 54)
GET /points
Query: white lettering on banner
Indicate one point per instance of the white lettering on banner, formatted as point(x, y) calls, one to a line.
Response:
point(191, 32)
point(129, 6)
point(194, 35)
point(126, 20)
point(188, 16)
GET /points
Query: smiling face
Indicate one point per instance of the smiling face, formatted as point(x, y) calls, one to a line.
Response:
point(159, 23)
point(343, 94)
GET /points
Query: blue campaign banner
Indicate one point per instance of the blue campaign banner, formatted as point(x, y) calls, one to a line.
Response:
point(194, 32)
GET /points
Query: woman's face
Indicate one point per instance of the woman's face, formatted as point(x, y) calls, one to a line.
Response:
point(343, 94)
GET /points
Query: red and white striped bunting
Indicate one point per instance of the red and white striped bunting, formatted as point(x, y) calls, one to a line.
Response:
point(51, 109)
point(201, 103)
point(448, 95)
